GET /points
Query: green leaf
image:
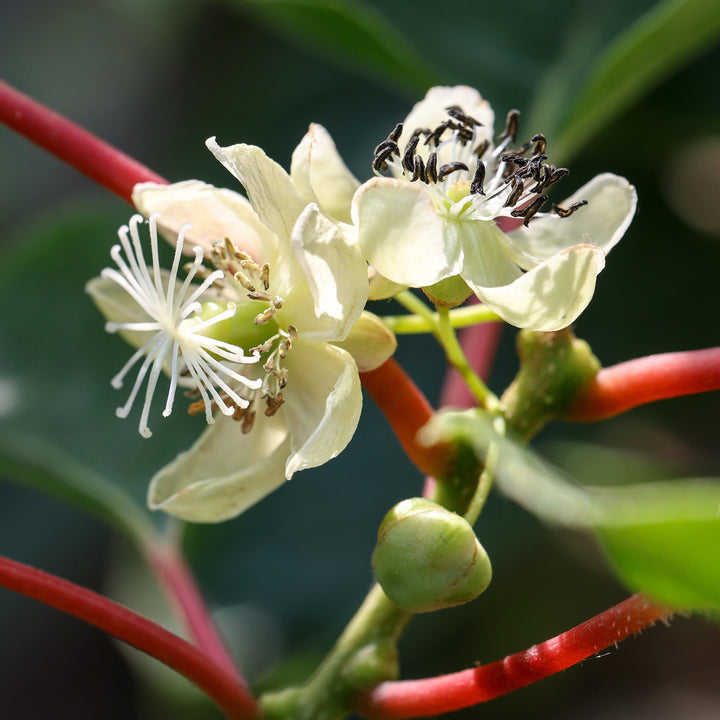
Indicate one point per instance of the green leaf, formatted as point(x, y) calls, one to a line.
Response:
point(352, 30)
point(662, 538)
point(660, 42)
point(665, 541)
point(41, 466)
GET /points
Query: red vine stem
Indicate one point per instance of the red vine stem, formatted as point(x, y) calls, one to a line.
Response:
point(433, 696)
point(621, 387)
point(407, 410)
point(87, 153)
point(180, 588)
point(135, 630)
point(118, 173)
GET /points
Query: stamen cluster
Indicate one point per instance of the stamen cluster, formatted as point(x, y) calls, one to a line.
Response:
point(484, 179)
point(239, 274)
point(177, 340)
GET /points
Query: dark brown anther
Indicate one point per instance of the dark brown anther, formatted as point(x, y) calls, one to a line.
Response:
point(476, 186)
point(511, 126)
point(518, 186)
point(529, 211)
point(557, 174)
point(542, 177)
point(435, 135)
point(514, 158)
point(248, 420)
point(408, 162)
point(482, 148)
point(455, 111)
point(567, 212)
point(380, 160)
point(394, 136)
point(419, 172)
point(386, 145)
point(449, 168)
point(273, 404)
point(540, 144)
point(431, 168)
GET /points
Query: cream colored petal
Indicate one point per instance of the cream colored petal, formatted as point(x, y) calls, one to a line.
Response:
point(380, 287)
point(484, 258)
point(371, 342)
point(214, 214)
point(224, 472)
point(272, 193)
point(401, 235)
point(323, 401)
point(336, 276)
point(602, 222)
point(320, 174)
point(551, 295)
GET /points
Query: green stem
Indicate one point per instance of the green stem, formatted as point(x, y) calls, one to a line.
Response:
point(364, 655)
point(459, 318)
point(456, 357)
point(440, 325)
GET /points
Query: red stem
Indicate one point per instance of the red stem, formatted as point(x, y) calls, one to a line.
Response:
point(84, 151)
point(135, 630)
point(433, 696)
point(181, 589)
point(637, 382)
point(407, 410)
point(119, 174)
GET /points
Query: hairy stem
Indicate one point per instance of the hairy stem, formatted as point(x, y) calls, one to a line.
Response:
point(116, 620)
point(433, 696)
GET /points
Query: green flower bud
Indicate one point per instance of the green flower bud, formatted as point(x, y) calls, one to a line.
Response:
point(428, 558)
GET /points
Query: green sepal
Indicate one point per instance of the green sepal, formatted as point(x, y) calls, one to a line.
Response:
point(554, 367)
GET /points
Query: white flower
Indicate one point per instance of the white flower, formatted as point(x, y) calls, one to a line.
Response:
point(159, 314)
point(290, 267)
point(438, 216)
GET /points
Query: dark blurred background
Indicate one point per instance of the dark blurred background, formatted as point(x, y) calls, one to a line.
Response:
point(156, 79)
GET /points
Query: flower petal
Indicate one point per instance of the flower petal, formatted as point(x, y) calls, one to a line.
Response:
point(611, 206)
point(336, 276)
point(322, 406)
point(371, 342)
point(551, 295)
point(485, 261)
point(224, 472)
point(401, 234)
point(213, 213)
point(272, 193)
point(432, 110)
point(320, 174)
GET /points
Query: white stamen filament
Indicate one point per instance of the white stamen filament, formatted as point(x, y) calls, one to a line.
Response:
point(175, 334)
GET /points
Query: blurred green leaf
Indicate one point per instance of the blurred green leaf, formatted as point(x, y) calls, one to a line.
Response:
point(659, 43)
point(663, 538)
point(352, 30)
point(42, 467)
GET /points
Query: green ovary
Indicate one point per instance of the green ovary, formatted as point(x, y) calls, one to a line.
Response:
point(240, 329)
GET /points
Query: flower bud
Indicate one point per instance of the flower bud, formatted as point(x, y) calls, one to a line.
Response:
point(428, 558)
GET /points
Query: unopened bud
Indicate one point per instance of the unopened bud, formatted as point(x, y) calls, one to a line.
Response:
point(428, 558)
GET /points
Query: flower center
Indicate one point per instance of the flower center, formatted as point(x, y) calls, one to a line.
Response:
point(253, 325)
point(468, 178)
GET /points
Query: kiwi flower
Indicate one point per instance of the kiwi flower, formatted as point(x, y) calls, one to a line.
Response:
point(287, 285)
point(458, 206)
